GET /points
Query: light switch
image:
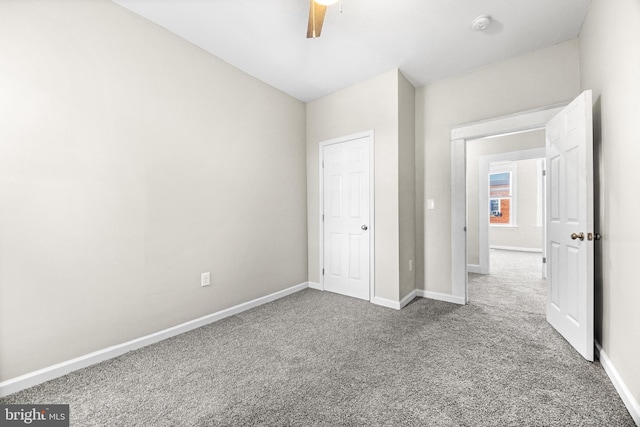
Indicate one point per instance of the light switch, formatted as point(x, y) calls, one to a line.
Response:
point(431, 204)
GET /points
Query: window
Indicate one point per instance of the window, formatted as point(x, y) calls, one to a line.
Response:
point(501, 194)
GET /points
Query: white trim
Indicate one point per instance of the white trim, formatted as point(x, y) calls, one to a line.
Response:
point(372, 214)
point(518, 122)
point(509, 124)
point(371, 138)
point(627, 398)
point(315, 285)
point(55, 371)
point(396, 305)
point(384, 302)
point(516, 249)
point(440, 297)
point(474, 268)
point(406, 300)
point(459, 220)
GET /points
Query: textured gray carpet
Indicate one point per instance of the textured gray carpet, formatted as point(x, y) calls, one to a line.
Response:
point(515, 282)
point(316, 358)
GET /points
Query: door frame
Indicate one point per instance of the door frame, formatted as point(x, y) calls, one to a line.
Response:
point(513, 123)
point(371, 141)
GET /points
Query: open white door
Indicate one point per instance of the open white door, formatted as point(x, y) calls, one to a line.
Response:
point(570, 224)
point(346, 215)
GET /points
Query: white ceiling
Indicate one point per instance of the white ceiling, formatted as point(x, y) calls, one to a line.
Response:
point(427, 39)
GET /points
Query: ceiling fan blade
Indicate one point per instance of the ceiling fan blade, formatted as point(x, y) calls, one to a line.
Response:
point(316, 19)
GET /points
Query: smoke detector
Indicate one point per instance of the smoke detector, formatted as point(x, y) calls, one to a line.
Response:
point(480, 23)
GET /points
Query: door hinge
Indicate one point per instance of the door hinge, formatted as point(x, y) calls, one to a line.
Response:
point(323, 271)
point(322, 217)
point(544, 172)
point(544, 259)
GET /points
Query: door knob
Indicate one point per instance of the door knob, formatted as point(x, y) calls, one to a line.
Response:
point(364, 227)
point(575, 236)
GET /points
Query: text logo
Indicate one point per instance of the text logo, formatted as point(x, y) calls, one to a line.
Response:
point(34, 415)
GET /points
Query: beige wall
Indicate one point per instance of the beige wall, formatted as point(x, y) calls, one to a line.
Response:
point(130, 163)
point(525, 234)
point(375, 104)
point(407, 183)
point(532, 80)
point(609, 63)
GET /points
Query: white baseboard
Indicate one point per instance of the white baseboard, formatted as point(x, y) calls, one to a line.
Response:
point(384, 302)
point(629, 401)
point(474, 268)
point(315, 285)
point(51, 372)
point(516, 248)
point(396, 305)
point(440, 297)
point(406, 300)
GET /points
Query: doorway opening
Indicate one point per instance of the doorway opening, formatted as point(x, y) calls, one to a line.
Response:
point(569, 236)
point(506, 220)
point(460, 137)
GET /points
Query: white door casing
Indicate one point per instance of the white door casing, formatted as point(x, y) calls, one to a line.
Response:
point(519, 122)
point(570, 212)
point(346, 220)
point(543, 188)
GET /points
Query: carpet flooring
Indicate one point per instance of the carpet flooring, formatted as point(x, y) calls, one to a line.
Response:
point(320, 359)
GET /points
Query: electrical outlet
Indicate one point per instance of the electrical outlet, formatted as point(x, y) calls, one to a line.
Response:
point(205, 279)
point(410, 265)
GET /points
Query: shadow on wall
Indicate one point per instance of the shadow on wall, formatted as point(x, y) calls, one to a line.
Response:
point(598, 278)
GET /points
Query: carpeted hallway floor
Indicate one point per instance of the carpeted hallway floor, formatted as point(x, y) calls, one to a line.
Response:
point(515, 282)
point(316, 358)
